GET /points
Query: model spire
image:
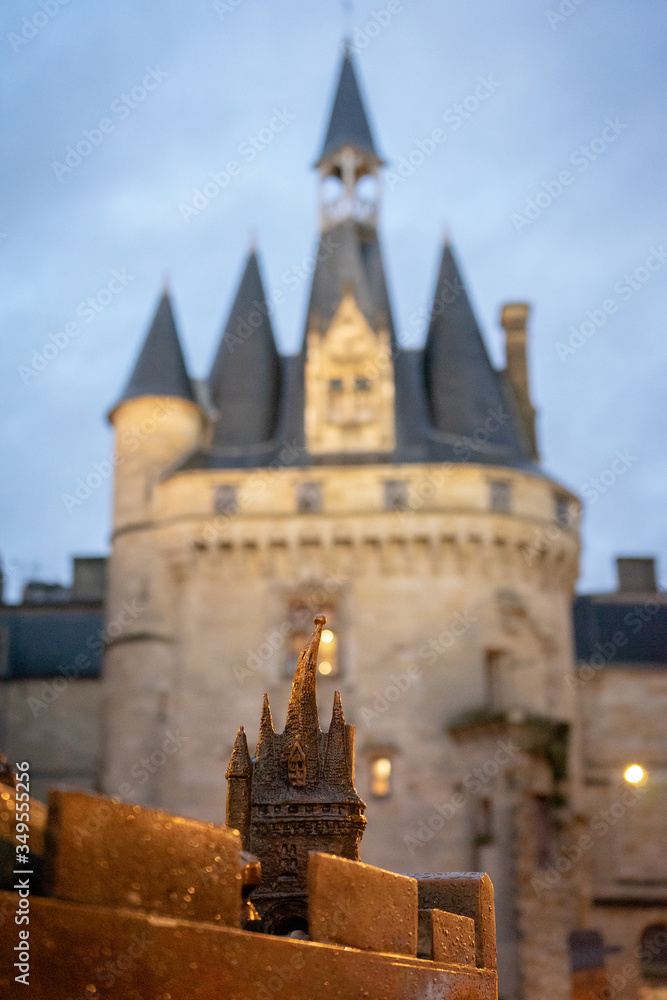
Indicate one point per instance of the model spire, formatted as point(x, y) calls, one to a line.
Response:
point(302, 715)
point(297, 796)
point(266, 731)
point(337, 767)
point(240, 764)
point(239, 782)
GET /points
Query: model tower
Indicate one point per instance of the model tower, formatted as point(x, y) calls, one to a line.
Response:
point(296, 795)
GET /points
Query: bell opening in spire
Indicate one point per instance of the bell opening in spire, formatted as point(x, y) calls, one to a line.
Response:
point(349, 189)
point(349, 163)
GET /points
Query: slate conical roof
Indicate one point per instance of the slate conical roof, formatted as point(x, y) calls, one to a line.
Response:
point(160, 369)
point(349, 256)
point(463, 389)
point(348, 125)
point(245, 378)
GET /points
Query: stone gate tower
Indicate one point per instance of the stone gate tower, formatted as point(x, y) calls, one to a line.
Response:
point(296, 795)
point(394, 489)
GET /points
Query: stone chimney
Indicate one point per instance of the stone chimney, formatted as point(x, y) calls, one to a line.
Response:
point(514, 318)
point(90, 582)
point(636, 575)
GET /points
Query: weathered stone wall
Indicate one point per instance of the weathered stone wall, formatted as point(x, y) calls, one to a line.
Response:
point(56, 725)
point(623, 712)
point(427, 602)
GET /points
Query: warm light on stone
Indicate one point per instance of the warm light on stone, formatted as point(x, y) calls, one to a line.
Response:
point(349, 385)
point(381, 773)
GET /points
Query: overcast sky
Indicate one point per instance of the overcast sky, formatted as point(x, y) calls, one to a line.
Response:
point(556, 76)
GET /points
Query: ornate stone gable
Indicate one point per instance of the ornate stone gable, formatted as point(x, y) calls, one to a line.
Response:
point(349, 385)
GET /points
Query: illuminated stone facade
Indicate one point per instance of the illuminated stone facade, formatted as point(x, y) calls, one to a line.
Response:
point(400, 493)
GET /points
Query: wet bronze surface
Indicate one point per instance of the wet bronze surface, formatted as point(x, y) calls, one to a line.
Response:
point(470, 894)
point(127, 955)
point(112, 854)
point(446, 937)
point(350, 903)
point(137, 904)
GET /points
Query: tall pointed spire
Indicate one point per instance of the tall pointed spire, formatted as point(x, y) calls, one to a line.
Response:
point(337, 768)
point(240, 764)
point(160, 368)
point(348, 125)
point(349, 156)
point(302, 715)
point(245, 377)
point(463, 388)
point(239, 782)
point(266, 731)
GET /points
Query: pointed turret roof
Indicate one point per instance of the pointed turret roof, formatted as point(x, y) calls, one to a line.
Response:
point(348, 125)
point(463, 388)
point(240, 764)
point(266, 731)
point(337, 768)
point(245, 377)
point(160, 368)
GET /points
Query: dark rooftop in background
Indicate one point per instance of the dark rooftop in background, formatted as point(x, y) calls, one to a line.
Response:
point(627, 626)
point(57, 630)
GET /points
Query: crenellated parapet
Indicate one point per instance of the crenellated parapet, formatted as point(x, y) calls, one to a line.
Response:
point(467, 520)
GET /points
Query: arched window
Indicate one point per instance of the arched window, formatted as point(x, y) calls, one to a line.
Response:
point(296, 767)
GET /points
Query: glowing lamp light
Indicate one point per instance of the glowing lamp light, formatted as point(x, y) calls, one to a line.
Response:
point(325, 668)
point(634, 774)
point(381, 772)
point(382, 767)
point(327, 635)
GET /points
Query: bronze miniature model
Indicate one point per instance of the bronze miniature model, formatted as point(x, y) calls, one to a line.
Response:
point(158, 905)
point(296, 795)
